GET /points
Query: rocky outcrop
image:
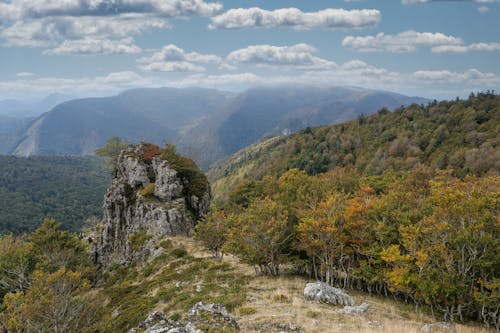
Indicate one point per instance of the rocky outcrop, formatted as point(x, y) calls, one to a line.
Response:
point(147, 199)
point(201, 318)
point(323, 293)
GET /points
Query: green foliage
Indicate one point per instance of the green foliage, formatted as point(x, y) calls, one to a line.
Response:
point(55, 248)
point(212, 230)
point(138, 239)
point(259, 236)
point(110, 151)
point(187, 169)
point(69, 189)
point(148, 190)
point(461, 135)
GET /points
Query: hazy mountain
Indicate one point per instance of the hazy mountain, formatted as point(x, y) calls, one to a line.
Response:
point(29, 109)
point(207, 124)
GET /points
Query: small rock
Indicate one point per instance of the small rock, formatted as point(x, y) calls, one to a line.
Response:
point(212, 315)
point(438, 327)
point(354, 310)
point(323, 293)
point(199, 288)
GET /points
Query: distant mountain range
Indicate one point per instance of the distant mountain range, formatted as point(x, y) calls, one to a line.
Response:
point(204, 123)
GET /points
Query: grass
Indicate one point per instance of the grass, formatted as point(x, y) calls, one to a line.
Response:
point(168, 284)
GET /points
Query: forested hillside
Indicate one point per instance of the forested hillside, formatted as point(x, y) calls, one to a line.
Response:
point(403, 204)
point(462, 135)
point(69, 189)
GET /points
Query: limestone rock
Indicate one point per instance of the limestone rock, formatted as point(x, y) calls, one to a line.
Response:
point(439, 327)
point(354, 310)
point(323, 293)
point(212, 315)
point(146, 196)
point(201, 317)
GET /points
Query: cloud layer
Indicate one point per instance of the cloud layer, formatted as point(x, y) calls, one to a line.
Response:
point(406, 41)
point(295, 18)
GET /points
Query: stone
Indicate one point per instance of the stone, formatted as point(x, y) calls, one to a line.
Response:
point(323, 293)
point(212, 315)
point(132, 204)
point(201, 317)
point(439, 327)
point(354, 310)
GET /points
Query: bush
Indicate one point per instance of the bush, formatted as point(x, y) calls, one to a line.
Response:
point(148, 190)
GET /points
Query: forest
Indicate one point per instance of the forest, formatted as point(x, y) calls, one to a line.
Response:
point(69, 189)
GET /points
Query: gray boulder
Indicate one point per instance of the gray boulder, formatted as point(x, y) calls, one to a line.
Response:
point(439, 327)
point(354, 310)
point(323, 293)
point(212, 315)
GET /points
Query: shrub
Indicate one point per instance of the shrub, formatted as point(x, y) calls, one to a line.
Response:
point(187, 169)
point(138, 239)
point(247, 311)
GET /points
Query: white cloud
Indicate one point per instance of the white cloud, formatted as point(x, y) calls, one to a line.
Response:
point(298, 56)
point(295, 18)
point(406, 41)
point(174, 59)
point(107, 84)
point(55, 30)
point(21, 9)
point(88, 45)
point(412, 2)
point(483, 9)
point(466, 48)
point(25, 74)
point(471, 77)
point(59, 23)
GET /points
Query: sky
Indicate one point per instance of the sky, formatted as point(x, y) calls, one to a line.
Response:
point(434, 49)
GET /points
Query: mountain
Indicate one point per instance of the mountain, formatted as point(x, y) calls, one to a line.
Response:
point(461, 135)
point(204, 123)
point(67, 188)
point(11, 131)
point(29, 109)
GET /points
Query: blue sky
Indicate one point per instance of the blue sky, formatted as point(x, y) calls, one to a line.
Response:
point(437, 49)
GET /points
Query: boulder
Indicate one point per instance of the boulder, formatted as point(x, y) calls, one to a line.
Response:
point(323, 293)
point(354, 310)
point(201, 318)
point(212, 315)
point(439, 327)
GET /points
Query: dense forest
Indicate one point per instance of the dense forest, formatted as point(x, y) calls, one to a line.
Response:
point(461, 135)
point(69, 189)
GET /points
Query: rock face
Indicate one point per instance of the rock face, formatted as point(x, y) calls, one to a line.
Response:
point(147, 200)
point(323, 293)
point(201, 318)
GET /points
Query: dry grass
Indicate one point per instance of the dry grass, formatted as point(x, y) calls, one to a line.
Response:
point(280, 301)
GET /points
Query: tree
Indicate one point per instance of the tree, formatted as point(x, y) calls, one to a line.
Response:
point(16, 264)
point(259, 236)
point(212, 232)
point(111, 150)
point(56, 302)
point(55, 248)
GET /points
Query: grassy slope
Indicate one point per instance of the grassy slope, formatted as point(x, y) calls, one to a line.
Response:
point(168, 284)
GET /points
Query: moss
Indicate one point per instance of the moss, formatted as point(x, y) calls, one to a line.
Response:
point(138, 239)
point(148, 190)
point(247, 311)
